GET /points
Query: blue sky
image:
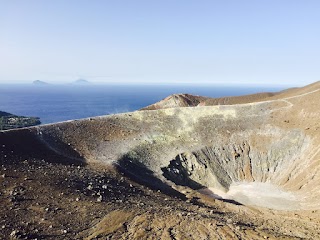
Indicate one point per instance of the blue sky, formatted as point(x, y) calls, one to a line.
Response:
point(167, 41)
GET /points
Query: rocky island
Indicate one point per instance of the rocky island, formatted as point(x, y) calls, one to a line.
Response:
point(39, 82)
point(188, 167)
point(10, 121)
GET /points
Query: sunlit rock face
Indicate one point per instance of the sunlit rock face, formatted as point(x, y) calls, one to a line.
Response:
point(243, 172)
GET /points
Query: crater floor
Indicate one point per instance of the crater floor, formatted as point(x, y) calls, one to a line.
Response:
point(260, 194)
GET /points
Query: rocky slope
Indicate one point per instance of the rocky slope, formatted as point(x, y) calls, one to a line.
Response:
point(177, 100)
point(188, 100)
point(242, 171)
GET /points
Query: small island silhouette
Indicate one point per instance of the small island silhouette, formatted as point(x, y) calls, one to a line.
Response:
point(81, 82)
point(39, 82)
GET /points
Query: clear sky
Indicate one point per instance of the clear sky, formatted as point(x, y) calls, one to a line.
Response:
point(167, 41)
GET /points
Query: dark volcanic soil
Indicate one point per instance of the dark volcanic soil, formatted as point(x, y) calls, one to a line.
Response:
point(55, 201)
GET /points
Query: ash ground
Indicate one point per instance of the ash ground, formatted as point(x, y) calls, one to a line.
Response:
point(41, 200)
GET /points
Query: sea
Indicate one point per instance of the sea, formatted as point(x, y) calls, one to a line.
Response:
point(56, 103)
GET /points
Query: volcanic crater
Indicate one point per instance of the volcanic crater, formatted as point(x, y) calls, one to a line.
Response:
point(257, 153)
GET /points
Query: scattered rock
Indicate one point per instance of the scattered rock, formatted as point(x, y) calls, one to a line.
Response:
point(229, 221)
point(99, 199)
point(15, 234)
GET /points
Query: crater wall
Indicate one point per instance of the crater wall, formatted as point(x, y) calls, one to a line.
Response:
point(212, 147)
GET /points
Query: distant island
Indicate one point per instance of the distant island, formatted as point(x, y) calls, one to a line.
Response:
point(11, 121)
point(81, 82)
point(39, 82)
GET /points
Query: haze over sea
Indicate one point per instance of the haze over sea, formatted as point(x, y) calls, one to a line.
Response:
point(55, 103)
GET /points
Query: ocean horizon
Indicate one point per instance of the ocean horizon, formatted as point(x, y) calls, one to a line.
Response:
point(56, 103)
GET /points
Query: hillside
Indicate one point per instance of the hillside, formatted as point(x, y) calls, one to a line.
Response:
point(188, 100)
point(177, 100)
point(10, 121)
point(242, 171)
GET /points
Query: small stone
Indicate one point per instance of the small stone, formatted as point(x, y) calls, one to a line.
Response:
point(3, 226)
point(77, 199)
point(99, 199)
point(104, 186)
point(14, 233)
point(50, 226)
point(229, 221)
point(3, 175)
point(64, 231)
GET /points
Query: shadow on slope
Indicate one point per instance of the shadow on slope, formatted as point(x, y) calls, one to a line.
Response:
point(25, 144)
point(180, 175)
point(139, 173)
